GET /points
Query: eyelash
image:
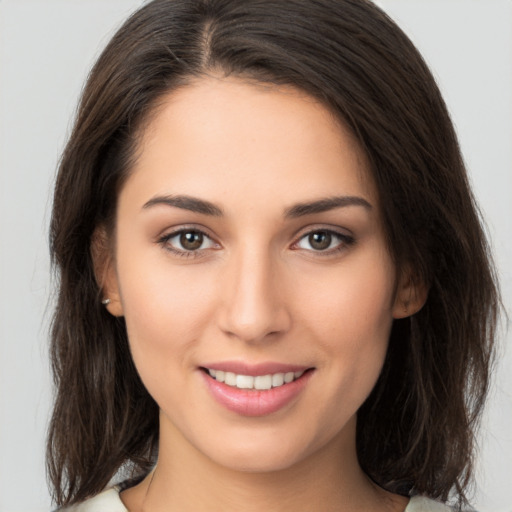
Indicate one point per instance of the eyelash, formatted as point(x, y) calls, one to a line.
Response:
point(345, 241)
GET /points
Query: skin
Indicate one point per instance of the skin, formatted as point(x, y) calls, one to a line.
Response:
point(257, 290)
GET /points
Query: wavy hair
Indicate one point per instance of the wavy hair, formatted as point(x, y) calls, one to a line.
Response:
point(415, 432)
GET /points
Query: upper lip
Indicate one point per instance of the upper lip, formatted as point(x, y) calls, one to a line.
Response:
point(255, 370)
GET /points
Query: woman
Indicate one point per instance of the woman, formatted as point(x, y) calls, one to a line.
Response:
point(274, 286)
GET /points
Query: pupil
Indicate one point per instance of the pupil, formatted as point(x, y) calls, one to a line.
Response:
point(191, 240)
point(320, 240)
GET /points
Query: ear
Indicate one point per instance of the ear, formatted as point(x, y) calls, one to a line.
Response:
point(411, 295)
point(102, 255)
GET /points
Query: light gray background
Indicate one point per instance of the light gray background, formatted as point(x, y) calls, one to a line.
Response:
point(46, 49)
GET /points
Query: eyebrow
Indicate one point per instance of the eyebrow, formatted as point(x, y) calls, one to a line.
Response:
point(324, 205)
point(204, 207)
point(192, 204)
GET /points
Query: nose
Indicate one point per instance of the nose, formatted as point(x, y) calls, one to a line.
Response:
point(254, 306)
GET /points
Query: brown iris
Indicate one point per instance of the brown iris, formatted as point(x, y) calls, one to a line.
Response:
point(320, 240)
point(191, 240)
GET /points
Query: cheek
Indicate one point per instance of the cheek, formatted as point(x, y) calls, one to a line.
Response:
point(352, 303)
point(349, 313)
point(165, 312)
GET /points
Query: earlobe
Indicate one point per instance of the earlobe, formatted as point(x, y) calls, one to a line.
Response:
point(411, 295)
point(105, 272)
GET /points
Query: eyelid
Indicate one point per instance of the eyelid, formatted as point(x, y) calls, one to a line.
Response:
point(330, 228)
point(171, 231)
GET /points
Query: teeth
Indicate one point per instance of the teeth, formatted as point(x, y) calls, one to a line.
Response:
point(244, 382)
point(230, 379)
point(277, 380)
point(261, 382)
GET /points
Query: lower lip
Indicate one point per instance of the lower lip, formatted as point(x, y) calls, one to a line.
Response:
point(255, 402)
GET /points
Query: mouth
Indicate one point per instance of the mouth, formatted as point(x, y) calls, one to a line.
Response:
point(257, 383)
point(255, 389)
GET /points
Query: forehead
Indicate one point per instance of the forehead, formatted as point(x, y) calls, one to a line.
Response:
point(226, 136)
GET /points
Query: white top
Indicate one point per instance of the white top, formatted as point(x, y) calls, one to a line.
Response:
point(109, 501)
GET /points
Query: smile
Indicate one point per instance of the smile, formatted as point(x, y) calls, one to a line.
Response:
point(260, 382)
point(255, 390)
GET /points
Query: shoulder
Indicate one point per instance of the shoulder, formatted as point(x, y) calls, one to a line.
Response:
point(106, 501)
point(424, 504)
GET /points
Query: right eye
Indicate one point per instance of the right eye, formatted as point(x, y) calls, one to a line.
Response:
point(187, 242)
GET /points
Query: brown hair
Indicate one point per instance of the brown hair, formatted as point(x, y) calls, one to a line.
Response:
point(415, 431)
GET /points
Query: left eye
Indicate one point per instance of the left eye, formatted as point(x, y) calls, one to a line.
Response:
point(323, 240)
point(189, 240)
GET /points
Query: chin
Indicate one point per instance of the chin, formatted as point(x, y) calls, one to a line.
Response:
point(261, 461)
point(263, 450)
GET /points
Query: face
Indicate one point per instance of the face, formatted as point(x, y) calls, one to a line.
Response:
point(251, 267)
